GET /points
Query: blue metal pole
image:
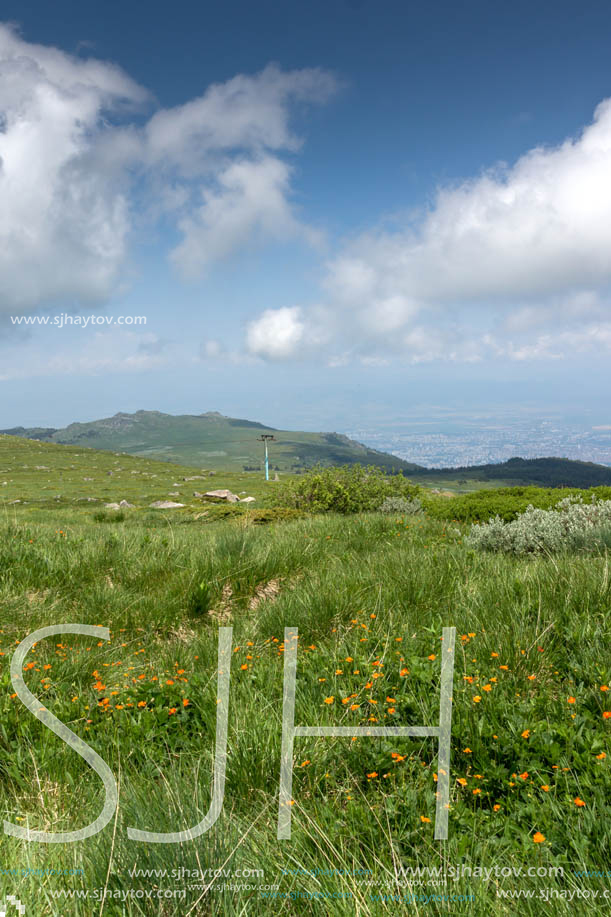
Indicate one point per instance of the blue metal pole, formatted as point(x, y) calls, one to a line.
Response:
point(266, 463)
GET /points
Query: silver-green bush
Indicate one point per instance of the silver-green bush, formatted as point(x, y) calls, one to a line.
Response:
point(573, 523)
point(401, 506)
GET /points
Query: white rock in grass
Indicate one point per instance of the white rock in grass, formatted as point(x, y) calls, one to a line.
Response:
point(165, 504)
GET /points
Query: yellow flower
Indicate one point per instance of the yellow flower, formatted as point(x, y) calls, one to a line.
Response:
point(496, 807)
point(579, 802)
point(424, 819)
point(538, 838)
point(526, 733)
point(545, 788)
point(329, 700)
point(476, 699)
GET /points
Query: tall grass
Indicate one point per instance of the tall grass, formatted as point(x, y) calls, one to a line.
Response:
point(532, 634)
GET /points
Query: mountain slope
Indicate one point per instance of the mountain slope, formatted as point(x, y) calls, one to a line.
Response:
point(214, 441)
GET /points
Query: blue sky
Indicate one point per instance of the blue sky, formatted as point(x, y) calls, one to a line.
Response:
point(324, 211)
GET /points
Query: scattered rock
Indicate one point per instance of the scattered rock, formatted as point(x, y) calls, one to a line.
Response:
point(86, 500)
point(248, 500)
point(126, 505)
point(87, 479)
point(165, 504)
point(195, 477)
point(226, 495)
point(196, 493)
point(111, 506)
point(11, 502)
point(174, 493)
point(199, 515)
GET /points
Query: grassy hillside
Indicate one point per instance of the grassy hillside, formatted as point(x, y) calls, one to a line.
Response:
point(42, 474)
point(370, 595)
point(213, 441)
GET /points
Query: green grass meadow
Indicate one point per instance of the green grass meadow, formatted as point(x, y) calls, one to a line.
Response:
point(370, 594)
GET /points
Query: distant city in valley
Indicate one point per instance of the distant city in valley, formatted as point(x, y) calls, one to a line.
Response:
point(451, 441)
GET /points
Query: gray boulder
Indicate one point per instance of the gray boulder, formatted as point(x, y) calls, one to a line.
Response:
point(225, 495)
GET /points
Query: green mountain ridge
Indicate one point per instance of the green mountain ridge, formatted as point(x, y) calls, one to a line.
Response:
point(232, 444)
point(213, 440)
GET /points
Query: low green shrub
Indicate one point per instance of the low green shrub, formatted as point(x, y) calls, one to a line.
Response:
point(345, 489)
point(505, 502)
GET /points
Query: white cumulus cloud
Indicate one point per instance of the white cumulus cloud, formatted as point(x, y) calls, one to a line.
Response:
point(277, 334)
point(79, 163)
point(499, 265)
